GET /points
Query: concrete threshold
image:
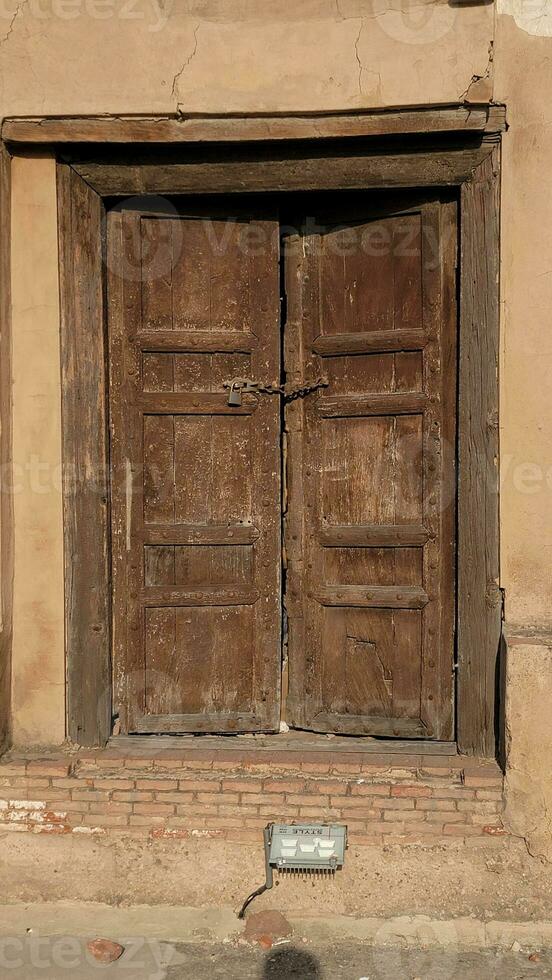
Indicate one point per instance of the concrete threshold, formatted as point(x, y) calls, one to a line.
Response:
point(177, 924)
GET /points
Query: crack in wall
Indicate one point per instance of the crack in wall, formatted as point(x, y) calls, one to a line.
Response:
point(362, 70)
point(377, 14)
point(16, 13)
point(479, 78)
point(185, 65)
point(360, 65)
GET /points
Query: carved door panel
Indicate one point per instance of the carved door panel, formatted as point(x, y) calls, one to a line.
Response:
point(370, 518)
point(196, 522)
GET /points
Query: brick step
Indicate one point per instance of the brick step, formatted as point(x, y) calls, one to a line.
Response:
point(106, 793)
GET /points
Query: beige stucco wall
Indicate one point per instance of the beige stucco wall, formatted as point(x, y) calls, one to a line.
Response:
point(38, 669)
point(523, 69)
point(90, 56)
point(523, 79)
point(529, 745)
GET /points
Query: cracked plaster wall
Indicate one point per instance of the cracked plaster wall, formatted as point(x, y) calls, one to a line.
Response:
point(88, 56)
point(92, 56)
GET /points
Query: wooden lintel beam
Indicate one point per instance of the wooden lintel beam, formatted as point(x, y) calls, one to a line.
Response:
point(162, 129)
point(307, 168)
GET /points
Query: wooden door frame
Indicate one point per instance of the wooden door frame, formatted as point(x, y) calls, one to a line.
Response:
point(450, 146)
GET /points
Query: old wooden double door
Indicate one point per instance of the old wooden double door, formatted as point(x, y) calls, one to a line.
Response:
point(287, 557)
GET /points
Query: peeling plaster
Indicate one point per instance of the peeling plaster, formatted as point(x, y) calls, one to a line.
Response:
point(528, 737)
point(533, 17)
point(476, 79)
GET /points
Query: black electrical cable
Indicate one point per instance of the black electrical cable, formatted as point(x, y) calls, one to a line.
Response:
point(267, 833)
point(248, 900)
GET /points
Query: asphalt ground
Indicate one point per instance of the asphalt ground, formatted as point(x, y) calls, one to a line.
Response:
point(31, 957)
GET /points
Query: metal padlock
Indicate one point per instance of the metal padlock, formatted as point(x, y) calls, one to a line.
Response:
point(235, 395)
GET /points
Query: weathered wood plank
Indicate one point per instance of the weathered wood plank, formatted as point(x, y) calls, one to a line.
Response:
point(262, 126)
point(296, 544)
point(138, 490)
point(372, 597)
point(373, 536)
point(295, 743)
point(195, 341)
point(200, 534)
point(373, 725)
point(161, 597)
point(479, 597)
point(320, 171)
point(205, 722)
point(85, 461)
point(439, 226)
point(356, 406)
point(373, 342)
point(195, 403)
point(6, 499)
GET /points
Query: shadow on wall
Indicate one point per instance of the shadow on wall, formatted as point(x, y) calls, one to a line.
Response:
point(238, 11)
point(288, 963)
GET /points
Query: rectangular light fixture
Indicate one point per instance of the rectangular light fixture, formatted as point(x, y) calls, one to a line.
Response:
point(313, 849)
point(307, 847)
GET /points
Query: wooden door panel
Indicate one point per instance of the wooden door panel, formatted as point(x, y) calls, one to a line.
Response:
point(379, 456)
point(199, 660)
point(370, 522)
point(189, 566)
point(369, 666)
point(369, 275)
point(376, 373)
point(196, 488)
point(197, 277)
point(391, 565)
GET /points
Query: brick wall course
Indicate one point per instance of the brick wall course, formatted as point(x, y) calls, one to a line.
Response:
point(233, 796)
